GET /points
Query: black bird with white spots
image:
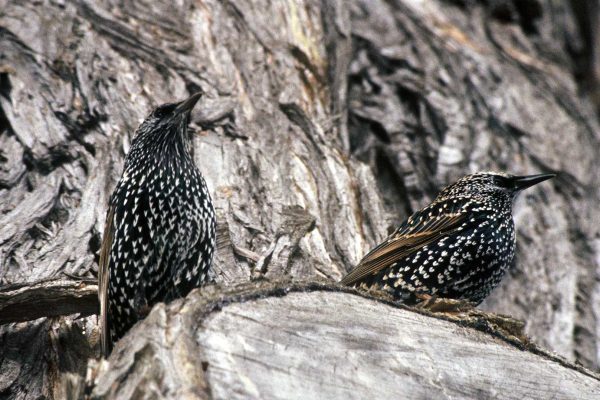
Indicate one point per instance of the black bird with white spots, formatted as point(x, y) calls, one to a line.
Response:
point(457, 247)
point(159, 237)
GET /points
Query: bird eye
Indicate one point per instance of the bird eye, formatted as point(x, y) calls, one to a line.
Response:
point(164, 110)
point(502, 181)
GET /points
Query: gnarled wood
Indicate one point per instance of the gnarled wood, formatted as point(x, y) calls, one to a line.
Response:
point(311, 340)
point(325, 123)
point(48, 298)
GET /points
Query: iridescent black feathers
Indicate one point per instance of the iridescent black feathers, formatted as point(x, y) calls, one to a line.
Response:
point(159, 237)
point(457, 247)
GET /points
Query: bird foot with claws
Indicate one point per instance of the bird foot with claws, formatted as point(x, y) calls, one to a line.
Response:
point(437, 304)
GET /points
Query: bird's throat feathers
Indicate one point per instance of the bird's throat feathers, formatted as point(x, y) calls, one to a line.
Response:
point(160, 141)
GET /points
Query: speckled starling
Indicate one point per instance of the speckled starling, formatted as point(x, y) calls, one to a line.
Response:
point(160, 228)
point(457, 247)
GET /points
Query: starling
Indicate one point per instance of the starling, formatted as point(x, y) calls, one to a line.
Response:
point(458, 247)
point(159, 237)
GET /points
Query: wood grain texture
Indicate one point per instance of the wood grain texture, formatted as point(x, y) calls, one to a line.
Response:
point(335, 346)
point(311, 341)
point(325, 123)
point(48, 298)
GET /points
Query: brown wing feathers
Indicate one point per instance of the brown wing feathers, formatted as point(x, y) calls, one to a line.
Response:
point(403, 243)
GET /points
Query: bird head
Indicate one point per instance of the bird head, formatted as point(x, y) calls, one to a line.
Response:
point(166, 124)
point(496, 185)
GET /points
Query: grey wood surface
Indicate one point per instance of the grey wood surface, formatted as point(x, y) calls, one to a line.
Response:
point(337, 346)
point(48, 298)
point(313, 342)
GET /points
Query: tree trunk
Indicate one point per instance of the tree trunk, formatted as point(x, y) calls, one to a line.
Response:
point(325, 124)
point(298, 341)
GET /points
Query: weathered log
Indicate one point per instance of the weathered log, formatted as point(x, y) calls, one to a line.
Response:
point(48, 298)
point(315, 340)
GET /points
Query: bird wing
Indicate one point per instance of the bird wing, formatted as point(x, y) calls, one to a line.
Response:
point(413, 235)
point(103, 279)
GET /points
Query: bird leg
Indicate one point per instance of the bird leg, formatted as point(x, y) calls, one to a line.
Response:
point(143, 311)
point(437, 304)
point(142, 308)
point(427, 300)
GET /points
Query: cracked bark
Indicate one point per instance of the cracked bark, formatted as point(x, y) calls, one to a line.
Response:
point(310, 340)
point(325, 123)
point(48, 298)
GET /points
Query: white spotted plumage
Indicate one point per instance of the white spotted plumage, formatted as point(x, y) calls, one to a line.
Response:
point(160, 234)
point(459, 246)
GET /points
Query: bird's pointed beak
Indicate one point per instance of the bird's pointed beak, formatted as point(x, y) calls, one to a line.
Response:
point(186, 106)
point(523, 182)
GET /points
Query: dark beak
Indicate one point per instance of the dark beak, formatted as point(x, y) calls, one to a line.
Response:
point(523, 182)
point(186, 106)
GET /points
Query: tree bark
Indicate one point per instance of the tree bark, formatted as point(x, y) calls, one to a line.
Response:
point(298, 341)
point(325, 124)
point(48, 298)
